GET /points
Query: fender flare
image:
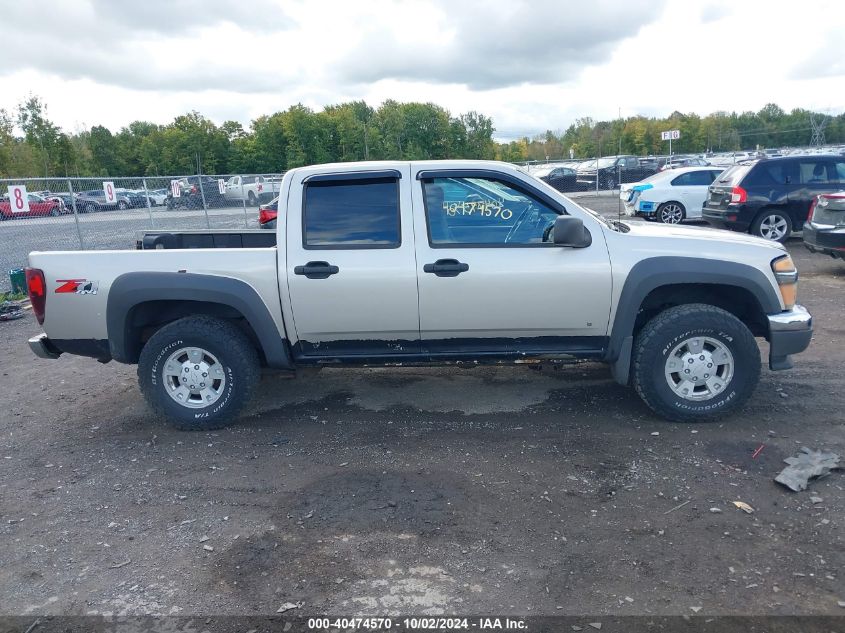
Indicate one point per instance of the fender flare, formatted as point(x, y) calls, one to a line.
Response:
point(650, 274)
point(131, 289)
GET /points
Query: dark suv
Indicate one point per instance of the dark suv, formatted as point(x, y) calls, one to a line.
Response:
point(611, 170)
point(771, 197)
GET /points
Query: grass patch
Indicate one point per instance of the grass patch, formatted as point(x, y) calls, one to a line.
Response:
point(12, 296)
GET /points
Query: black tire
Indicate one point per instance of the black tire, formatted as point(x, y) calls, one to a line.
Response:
point(672, 327)
point(232, 349)
point(251, 199)
point(122, 205)
point(672, 207)
point(55, 212)
point(89, 208)
point(759, 226)
point(609, 182)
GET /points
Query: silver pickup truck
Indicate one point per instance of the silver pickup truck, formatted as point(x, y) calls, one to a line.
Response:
point(444, 262)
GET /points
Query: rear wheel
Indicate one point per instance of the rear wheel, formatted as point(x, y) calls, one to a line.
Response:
point(772, 225)
point(55, 212)
point(122, 205)
point(695, 362)
point(89, 207)
point(199, 372)
point(671, 213)
point(252, 199)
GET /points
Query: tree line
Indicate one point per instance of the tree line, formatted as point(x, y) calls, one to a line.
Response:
point(273, 143)
point(770, 127)
point(32, 145)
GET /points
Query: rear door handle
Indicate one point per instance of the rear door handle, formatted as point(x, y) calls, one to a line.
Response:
point(446, 268)
point(316, 270)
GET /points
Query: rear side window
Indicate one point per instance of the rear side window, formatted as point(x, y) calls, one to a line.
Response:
point(769, 173)
point(692, 178)
point(733, 175)
point(351, 214)
point(840, 171)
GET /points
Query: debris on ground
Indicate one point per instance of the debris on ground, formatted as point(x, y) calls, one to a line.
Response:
point(808, 464)
point(287, 606)
point(744, 507)
point(715, 510)
point(11, 310)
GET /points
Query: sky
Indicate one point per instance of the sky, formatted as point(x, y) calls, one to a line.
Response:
point(530, 65)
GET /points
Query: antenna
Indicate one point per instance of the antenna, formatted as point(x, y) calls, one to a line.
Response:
point(818, 123)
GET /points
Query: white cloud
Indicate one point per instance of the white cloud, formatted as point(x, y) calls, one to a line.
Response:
point(532, 66)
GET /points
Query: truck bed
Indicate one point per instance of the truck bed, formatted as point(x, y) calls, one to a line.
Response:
point(217, 238)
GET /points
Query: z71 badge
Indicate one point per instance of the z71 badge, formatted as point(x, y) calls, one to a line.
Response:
point(77, 286)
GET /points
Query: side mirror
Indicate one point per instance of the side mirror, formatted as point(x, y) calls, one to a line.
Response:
point(570, 231)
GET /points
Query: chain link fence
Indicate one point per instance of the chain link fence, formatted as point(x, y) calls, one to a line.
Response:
point(103, 213)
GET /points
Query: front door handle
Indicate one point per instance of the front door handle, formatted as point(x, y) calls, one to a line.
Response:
point(446, 268)
point(316, 270)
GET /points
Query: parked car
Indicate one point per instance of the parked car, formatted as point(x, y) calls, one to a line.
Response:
point(158, 197)
point(95, 200)
point(670, 196)
point(824, 231)
point(683, 161)
point(611, 171)
point(425, 262)
point(267, 214)
point(38, 207)
point(252, 189)
point(65, 198)
point(770, 198)
point(136, 198)
point(560, 177)
point(195, 189)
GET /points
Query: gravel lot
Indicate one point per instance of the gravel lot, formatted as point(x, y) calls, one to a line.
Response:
point(491, 490)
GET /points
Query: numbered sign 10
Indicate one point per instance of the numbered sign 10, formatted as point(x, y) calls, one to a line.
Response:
point(18, 200)
point(175, 189)
point(111, 195)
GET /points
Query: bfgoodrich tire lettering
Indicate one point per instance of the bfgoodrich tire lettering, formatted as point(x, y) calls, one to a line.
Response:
point(660, 336)
point(226, 343)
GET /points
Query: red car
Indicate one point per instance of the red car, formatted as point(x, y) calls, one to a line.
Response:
point(38, 207)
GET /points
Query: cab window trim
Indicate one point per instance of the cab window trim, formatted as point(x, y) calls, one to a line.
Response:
point(353, 179)
point(428, 176)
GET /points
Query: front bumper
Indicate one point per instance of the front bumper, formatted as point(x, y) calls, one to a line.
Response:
point(790, 332)
point(43, 348)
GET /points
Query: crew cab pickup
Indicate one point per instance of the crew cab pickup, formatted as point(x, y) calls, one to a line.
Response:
point(251, 189)
point(435, 262)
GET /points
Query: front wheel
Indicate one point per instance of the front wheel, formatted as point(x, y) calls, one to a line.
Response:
point(772, 225)
point(695, 362)
point(199, 372)
point(122, 205)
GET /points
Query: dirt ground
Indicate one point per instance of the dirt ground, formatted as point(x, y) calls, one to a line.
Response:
point(421, 491)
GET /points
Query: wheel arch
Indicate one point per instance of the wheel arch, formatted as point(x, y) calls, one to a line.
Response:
point(658, 283)
point(141, 303)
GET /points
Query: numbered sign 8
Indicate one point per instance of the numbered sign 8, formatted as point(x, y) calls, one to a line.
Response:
point(221, 186)
point(18, 199)
point(175, 189)
point(111, 195)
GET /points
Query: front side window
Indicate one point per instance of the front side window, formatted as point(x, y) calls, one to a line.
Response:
point(351, 214)
point(484, 211)
point(840, 171)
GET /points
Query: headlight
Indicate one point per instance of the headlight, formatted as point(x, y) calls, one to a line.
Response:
point(787, 278)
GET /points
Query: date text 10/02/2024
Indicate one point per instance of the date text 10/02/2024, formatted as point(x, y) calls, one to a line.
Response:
point(418, 623)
